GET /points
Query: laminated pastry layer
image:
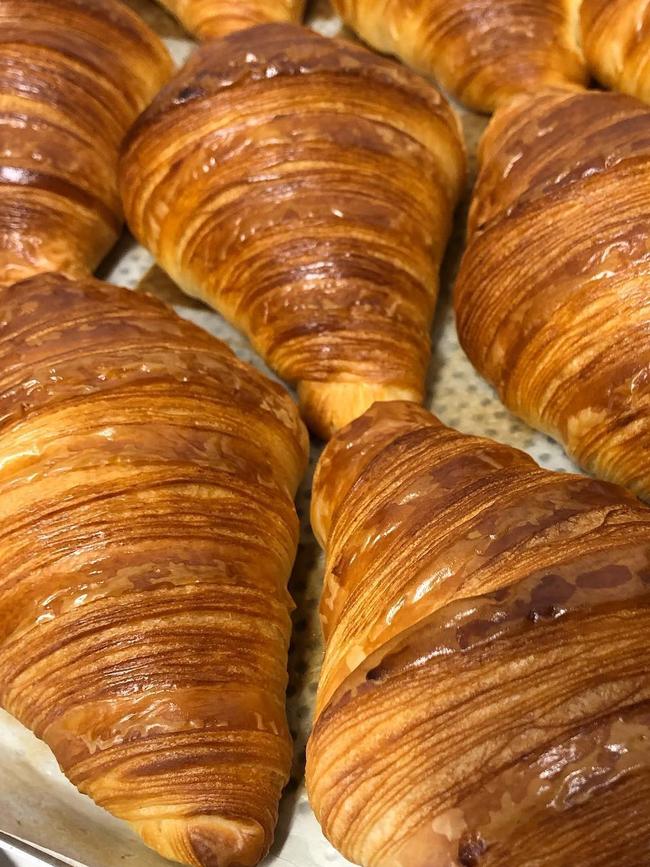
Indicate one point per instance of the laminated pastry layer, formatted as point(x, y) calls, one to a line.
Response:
point(484, 692)
point(484, 52)
point(616, 40)
point(147, 533)
point(212, 19)
point(551, 301)
point(322, 239)
point(73, 78)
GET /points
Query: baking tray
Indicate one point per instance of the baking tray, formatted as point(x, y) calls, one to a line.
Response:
point(37, 803)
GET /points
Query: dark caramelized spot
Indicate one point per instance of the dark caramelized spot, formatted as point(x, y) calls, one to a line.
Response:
point(471, 848)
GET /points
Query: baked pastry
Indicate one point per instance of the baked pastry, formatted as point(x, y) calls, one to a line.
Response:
point(74, 76)
point(484, 694)
point(481, 51)
point(551, 299)
point(148, 531)
point(616, 41)
point(304, 187)
point(210, 19)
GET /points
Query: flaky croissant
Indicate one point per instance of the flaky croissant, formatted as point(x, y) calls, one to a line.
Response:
point(74, 75)
point(210, 19)
point(304, 187)
point(482, 51)
point(485, 689)
point(148, 530)
point(552, 300)
point(616, 42)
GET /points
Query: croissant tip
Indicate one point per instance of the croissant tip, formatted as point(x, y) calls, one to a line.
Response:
point(329, 406)
point(228, 844)
point(207, 841)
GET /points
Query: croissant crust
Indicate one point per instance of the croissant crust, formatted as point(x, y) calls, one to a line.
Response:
point(148, 530)
point(305, 188)
point(212, 19)
point(482, 51)
point(73, 77)
point(485, 697)
point(616, 41)
point(551, 298)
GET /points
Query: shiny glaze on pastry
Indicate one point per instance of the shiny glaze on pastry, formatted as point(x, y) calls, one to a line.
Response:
point(552, 299)
point(481, 51)
point(211, 19)
point(485, 696)
point(147, 531)
point(304, 187)
point(74, 75)
point(616, 41)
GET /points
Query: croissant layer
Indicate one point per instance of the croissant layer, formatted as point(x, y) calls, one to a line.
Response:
point(73, 77)
point(148, 531)
point(212, 19)
point(481, 51)
point(616, 40)
point(485, 696)
point(551, 299)
point(305, 188)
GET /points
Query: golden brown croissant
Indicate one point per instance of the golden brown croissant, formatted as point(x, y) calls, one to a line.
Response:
point(485, 695)
point(482, 51)
point(209, 19)
point(616, 42)
point(304, 187)
point(552, 298)
point(147, 532)
point(73, 77)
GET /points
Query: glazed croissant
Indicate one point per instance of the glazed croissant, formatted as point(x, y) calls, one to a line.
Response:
point(551, 298)
point(73, 77)
point(616, 41)
point(485, 690)
point(304, 187)
point(209, 19)
point(148, 530)
point(481, 51)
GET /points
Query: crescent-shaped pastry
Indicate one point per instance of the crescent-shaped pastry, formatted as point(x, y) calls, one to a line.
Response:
point(481, 51)
point(74, 75)
point(210, 19)
point(616, 42)
point(485, 693)
point(147, 532)
point(552, 301)
point(304, 187)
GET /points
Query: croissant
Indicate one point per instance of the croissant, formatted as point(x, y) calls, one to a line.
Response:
point(551, 299)
point(485, 689)
point(304, 187)
point(73, 77)
point(481, 51)
point(148, 530)
point(209, 19)
point(616, 41)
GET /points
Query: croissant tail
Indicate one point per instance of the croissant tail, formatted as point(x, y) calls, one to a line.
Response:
point(330, 406)
point(205, 841)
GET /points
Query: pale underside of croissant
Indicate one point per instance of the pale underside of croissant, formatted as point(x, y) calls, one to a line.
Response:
point(210, 19)
point(304, 187)
point(485, 696)
point(148, 531)
point(616, 42)
point(481, 51)
point(74, 75)
point(552, 300)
